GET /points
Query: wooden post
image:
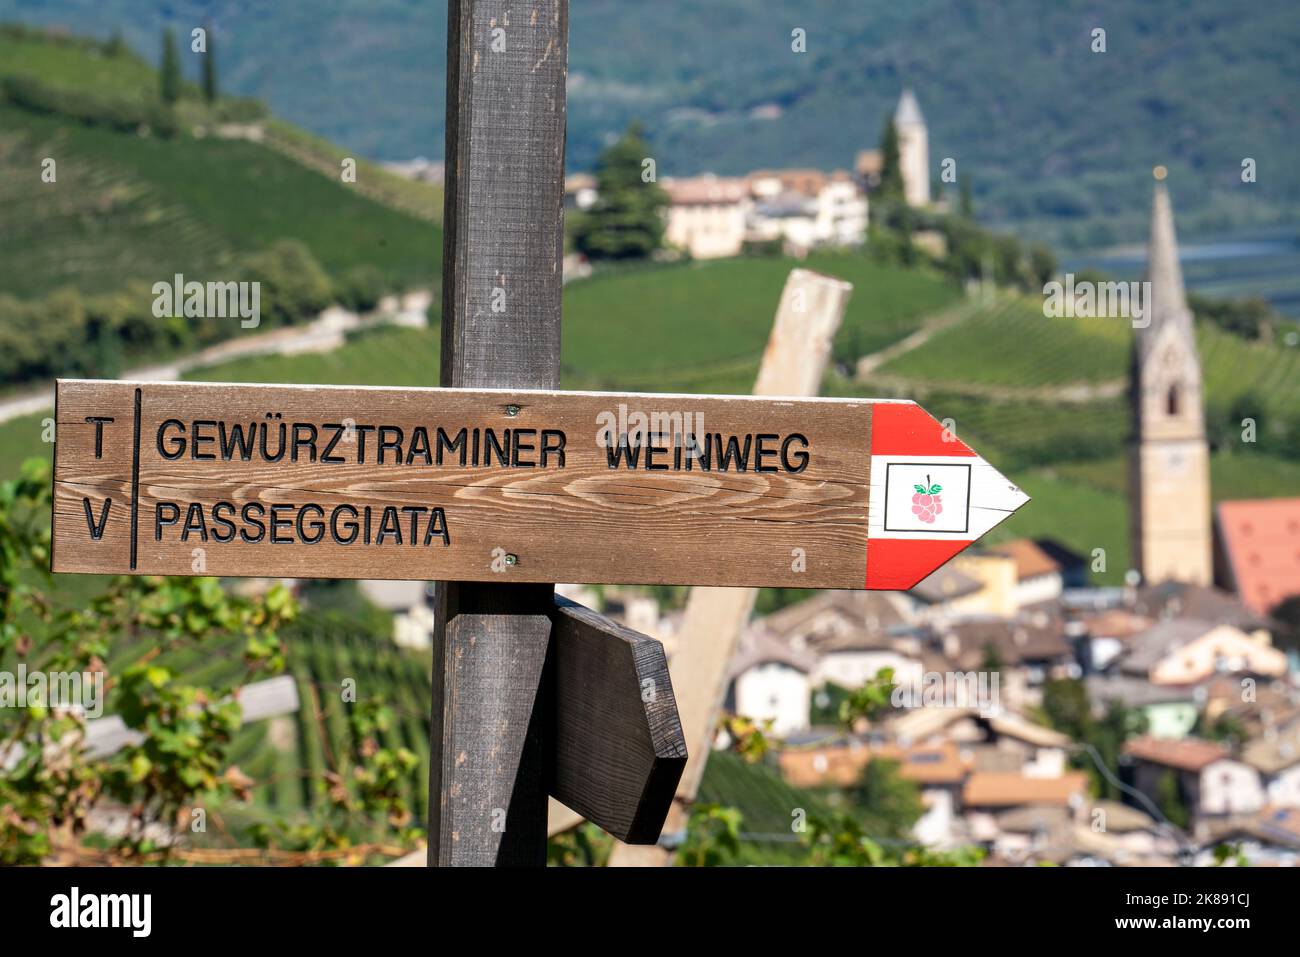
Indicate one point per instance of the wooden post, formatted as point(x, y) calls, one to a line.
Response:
point(502, 278)
point(794, 363)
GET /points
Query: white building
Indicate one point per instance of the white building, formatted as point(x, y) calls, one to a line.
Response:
point(768, 681)
point(806, 209)
point(707, 215)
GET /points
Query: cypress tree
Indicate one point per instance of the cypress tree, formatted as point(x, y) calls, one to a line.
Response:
point(891, 171)
point(210, 67)
point(170, 72)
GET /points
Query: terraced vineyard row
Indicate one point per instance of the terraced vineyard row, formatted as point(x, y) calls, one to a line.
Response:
point(1011, 343)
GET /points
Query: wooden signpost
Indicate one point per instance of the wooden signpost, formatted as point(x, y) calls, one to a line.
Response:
point(510, 485)
point(497, 486)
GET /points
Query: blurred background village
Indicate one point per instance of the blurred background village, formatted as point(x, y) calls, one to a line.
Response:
point(1108, 679)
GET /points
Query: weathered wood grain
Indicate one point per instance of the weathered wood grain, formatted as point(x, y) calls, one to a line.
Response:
point(580, 522)
point(503, 223)
point(619, 749)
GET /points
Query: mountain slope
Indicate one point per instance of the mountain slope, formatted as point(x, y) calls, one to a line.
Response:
point(1056, 138)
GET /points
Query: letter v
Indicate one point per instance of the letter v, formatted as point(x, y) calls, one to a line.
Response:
point(97, 531)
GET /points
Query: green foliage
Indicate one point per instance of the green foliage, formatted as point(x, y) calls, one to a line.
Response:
point(1067, 708)
point(155, 639)
point(750, 740)
point(169, 74)
point(885, 804)
point(1225, 854)
point(1249, 318)
point(210, 65)
point(625, 222)
point(294, 286)
point(891, 169)
point(826, 704)
point(841, 841)
point(712, 836)
point(361, 288)
point(966, 205)
point(92, 108)
point(1169, 798)
point(583, 846)
point(53, 788)
point(868, 702)
point(66, 334)
point(1287, 612)
point(1227, 728)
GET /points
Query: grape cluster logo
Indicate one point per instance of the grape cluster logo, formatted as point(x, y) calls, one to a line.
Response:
point(926, 503)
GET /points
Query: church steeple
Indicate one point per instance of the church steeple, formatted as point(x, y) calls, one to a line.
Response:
point(913, 150)
point(1169, 501)
point(1167, 304)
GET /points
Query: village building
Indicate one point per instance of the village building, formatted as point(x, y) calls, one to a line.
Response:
point(1168, 711)
point(806, 209)
point(1276, 756)
point(707, 216)
point(1186, 651)
point(768, 680)
point(988, 797)
point(1207, 780)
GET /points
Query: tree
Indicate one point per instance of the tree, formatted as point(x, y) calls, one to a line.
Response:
point(965, 203)
point(891, 169)
point(1067, 708)
point(1169, 798)
point(1287, 612)
point(170, 72)
point(210, 66)
point(886, 803)
point(626, 220)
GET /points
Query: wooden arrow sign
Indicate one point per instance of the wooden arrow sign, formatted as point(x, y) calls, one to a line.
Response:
point(619, 750)
point(509, 485)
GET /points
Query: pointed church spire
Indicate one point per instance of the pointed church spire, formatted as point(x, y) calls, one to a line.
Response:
point(908, 112)
point(1168, 300)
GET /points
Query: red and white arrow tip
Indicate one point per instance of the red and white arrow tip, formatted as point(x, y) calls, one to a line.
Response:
point(931, 496)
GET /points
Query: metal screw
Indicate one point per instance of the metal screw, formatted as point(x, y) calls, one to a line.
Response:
point(512, 559)
point(512, 410)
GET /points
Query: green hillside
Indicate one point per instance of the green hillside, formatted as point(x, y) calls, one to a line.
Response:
point(1053, 135)
point(142, 208)
point(127, 206)
point(105, 190)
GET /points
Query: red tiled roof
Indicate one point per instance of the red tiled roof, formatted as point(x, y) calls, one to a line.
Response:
point(1185, 754)
point(1013, 789)
point(841, 765)
point(705, 191)
point(1261, 541)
